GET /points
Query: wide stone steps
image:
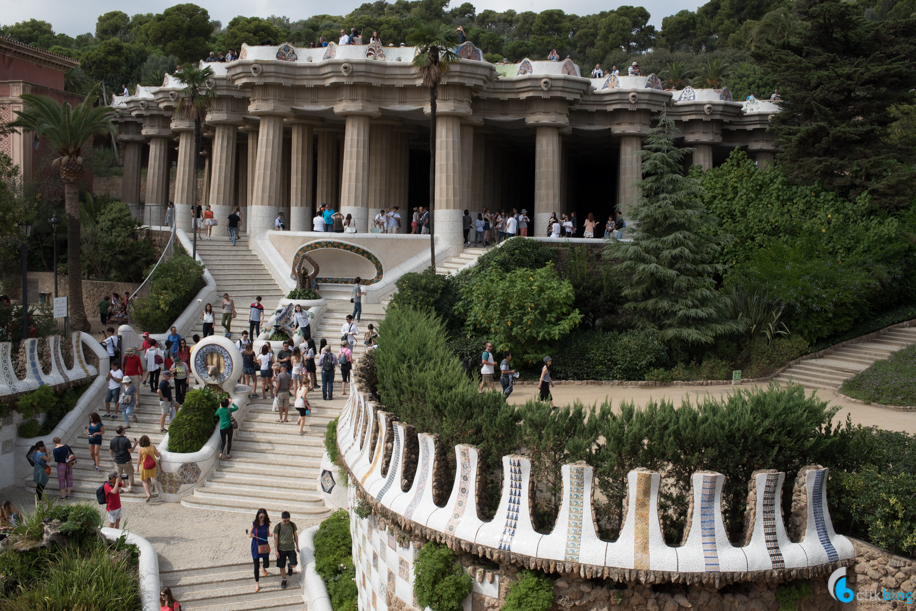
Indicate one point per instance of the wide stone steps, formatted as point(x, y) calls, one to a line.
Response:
point(231, 588)
point(452, 265)
point(831, 371)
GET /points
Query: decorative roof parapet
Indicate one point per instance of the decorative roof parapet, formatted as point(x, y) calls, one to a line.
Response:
point(573, 546)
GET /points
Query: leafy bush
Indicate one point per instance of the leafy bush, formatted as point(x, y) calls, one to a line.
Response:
point(45, 400)
point(330, 446)
point(29, 429)
point(195, 421)
point(869, 325)
point(41, 323)
point(532, 592)
point(366, 374)
point(334, 560)
point(174, 285)
point(520, 310)
point(113, 246)
point(597, 291)
point(598, 355)
point(762, 358)
point(303, 293)
point(428, 290)
point(517, 253)
point(440, 583)
point(888, 381)
point(790, 593)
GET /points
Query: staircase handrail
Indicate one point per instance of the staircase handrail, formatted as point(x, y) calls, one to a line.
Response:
point(165, 251)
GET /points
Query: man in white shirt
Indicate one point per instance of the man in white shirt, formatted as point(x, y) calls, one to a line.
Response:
point(278, 223)
point(487, 363)
point(380, 221)
point(243, 342)
point(114, 389)
point(597, 72)
point(344, 39)
point(350, 331)
point(394, 220)
point(511, 227)
point(632, 70)
point(318, 222)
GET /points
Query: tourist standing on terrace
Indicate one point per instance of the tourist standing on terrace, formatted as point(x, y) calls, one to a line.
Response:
point(523, 223)
point(228, 307)
point(264, 360)
point(424, 221)
point(344, 39)
point(575, 224)
point(318, 222)
point(62, 456)
point(254, 318)
point(94, 432)
point(511, 227)
point(394, 220)
point(589, 231)
point(209, 221)
point(462, 36)
point(478, 229)
point(114, 388)
point(302, 406)
point(155, 358)
point(196, 212)
point(486, 227)
point(553, 56)
point(208, 320)
point(310, 363)
point(337, 222)
point(298, 368)
point(380, 222)
point(259, 534)
point(278, 222)
point(169, 210)
point(249, 367)
point(328, 218)
point(544, 383)
point(500, 226)
point(180, 371)
point(349, 224)
point(597, 72)
point(466, 222)
point(166, 403)
point(349, 331)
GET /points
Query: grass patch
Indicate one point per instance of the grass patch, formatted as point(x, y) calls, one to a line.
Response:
point(889, 382)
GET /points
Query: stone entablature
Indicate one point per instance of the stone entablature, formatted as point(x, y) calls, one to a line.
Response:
point(379, 452)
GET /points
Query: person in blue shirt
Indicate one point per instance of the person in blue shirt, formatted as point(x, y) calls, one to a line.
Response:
point(175, 339)
point(328, 215)
point(424, 222)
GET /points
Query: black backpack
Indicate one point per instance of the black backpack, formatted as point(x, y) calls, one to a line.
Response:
point(28, 455)
point(328, 363)
point(100, 495)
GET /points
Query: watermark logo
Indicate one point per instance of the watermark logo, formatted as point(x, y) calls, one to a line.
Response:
point(841, 592)
point(837, 587)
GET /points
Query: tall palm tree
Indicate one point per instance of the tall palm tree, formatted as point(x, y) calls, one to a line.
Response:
point(67, 129)
point(712, 74)
point(434, 42)
point(776, 25)
point(194, 104)
point(675, 75)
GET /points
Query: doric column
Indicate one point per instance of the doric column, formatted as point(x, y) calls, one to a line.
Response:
point(205, 188)
point(301, 180)
point(467, 167)
point(285, 164)
point(241, 184)
point(268, 170)
point(381, 165)
point(252, 161)
point(399, 175)
point(546, 176)
point(157, 182)
point(447, 221)
point(629, 173)
point(702, 156)
point(130, 183)
point(185, 180)
point(327, 181)
point(354, 182)
point(222, 171)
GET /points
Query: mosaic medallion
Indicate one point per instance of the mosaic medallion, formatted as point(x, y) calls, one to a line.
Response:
point(189, 473)
point(8, 445)
point(327, 481)
point(687, 95)
point(403, 569)
point(333, 244)
point(611, 82)
point(569, 68)
point(468, 50)
point(211, 355)
point(524, 68)
point(375, 51)
point(170, 482)
point(725, 95)
point(654, 83)
point(287, 53)
point(330, 51)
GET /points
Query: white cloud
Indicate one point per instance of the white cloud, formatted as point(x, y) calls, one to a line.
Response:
point(75, 18)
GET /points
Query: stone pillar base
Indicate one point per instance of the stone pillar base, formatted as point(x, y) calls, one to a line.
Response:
point(136, 211)
point(448, 227)
point(221, 214)
point(360, 214)
point(539, 228)
point(261, 219)
point(300, 219)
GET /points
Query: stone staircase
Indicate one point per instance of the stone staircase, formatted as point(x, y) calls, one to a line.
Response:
point(231, 588)
point(452, 266)
point(333, 319)
point(239, 272)
point(831, 371)
point(272, 466)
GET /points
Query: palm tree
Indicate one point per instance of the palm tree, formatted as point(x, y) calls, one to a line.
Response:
point(67, 129)
point(712, 74)
point(434, 42)
point(194, 103)
point(675, 75)
point(776, 25)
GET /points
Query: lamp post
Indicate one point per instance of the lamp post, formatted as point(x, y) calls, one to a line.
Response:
point(25, 228)
point(54, 223)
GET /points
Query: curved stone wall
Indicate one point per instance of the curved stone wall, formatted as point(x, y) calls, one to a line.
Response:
point(400, 474)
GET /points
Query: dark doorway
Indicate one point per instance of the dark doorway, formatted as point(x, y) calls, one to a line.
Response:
point(418, 185)
point(591, 185)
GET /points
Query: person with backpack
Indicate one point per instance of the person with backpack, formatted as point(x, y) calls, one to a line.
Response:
point(38, 456)
point(345, 360)
point(256, 312)
point(486, 368)
point(120, 450)
point(109, 495)
point(327, 362)
point(65, 460)
point(286, 542)
point(349, 331)
point(113, 395)
point(147, 458)
point(155, 359)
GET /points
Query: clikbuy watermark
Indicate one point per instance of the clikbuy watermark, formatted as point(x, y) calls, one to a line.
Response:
point(841, 592)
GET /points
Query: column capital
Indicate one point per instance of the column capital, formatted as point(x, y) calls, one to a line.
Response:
point(357, 107)
point(182, 125)
point(547, 120)
point(302, 120)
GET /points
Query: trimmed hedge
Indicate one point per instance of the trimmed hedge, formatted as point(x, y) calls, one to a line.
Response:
point(195, 421)
point(172, 288)
point(600, 355)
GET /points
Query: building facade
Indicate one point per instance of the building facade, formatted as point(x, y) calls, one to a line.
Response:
point(290, 129)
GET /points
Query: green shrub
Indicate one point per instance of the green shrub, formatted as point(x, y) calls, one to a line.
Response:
point(334, 560)
point(789, 594)
point(714, 368)
point(888, 381)
point(45, 400)
point(517, 253)
point(599, 355)
point(366, 374)
point(113, 246)
point(36, 402)
point(330, 446)
point(869, 325)
point(29, 429)
point(762, 358)
point(303, 293)
point(195, 421)
point(430, 291)
point(172, 288)
point(440, 583)
point(597, 291)
point(532, 592)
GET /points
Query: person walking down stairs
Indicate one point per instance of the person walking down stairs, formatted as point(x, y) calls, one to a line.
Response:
point(260, 546)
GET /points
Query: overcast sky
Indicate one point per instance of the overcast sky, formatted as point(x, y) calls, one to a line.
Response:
point(77, 17)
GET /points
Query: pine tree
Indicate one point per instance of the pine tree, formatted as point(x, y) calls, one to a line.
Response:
point(667, 268)
point(840, 76)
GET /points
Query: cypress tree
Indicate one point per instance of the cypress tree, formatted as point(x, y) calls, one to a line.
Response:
point(840, 77)
point(667, 269)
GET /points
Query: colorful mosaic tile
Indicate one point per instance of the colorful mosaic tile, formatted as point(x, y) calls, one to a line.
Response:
point(708, 523)
point(170, 482)
point(467, 50)
point(8, 376)
point(189, 473)
point(8, 446)
point(382, 552)
point(243, 54)
point(569, 68)
point(378, 454)
point(817, 507)
point(34, 364)
point(725, 95)
point(403, 569)
point(330, 51)
point(687, 95)
point(374, 560)
point(287, 53)
point(464, 488)
point(334, 244)
point(641, 521)
point(391, 582)
point(524, 68)
point(654, 83)
point(78, 351)
point(327, 481)
point(54, 346)
point(576, 508)
point(611, 82)
point(515, 503)
point(375, 51)
point(205, 355)
point(421, 482)
point(393, 465)
point(769, 521)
